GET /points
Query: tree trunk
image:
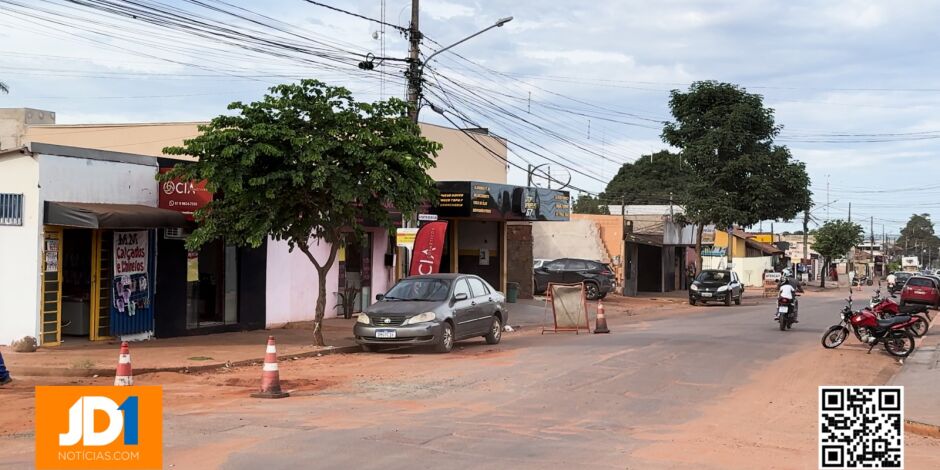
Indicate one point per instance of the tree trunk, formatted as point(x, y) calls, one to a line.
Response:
point(698, 248)
point(322, 272)
point(824, 273)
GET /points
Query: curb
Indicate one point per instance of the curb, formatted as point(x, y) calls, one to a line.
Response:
point(922, 429)
point(70, 372)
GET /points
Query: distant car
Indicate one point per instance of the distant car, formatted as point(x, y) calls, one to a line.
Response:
point(436, 310)
point(900, 278)
point(597, 277)
point(539, 262)
point(716, 285)
point(921, 290)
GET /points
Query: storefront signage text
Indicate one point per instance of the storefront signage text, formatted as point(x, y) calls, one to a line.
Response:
point(183, 196)
point(130, 252)
point(473, 199)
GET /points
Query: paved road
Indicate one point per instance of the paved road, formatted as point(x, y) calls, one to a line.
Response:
point(533, 402)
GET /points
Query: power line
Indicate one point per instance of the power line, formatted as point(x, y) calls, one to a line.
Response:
point(402, 29)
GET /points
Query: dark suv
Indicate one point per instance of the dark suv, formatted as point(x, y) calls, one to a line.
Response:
point(597, 277)
point(719, 285)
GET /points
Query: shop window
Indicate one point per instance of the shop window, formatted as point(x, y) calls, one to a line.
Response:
point(11, 209)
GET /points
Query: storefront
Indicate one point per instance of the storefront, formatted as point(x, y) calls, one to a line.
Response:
point(477, 215)
point(91, 256)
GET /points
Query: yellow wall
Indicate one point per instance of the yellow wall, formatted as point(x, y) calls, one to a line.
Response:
point(721, 241)
point(461, 159)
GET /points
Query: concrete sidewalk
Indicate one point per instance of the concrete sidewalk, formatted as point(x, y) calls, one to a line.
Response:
point(81, 358)
point(920, 377)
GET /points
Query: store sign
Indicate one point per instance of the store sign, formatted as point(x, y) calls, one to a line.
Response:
point(428, 249)
point(183, 196)
point(708, 235)
point(427, 217)
point(131, 282)
point(405, 237)
point(473, 199)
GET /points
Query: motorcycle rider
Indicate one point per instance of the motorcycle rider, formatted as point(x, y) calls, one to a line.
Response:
point(788, 289)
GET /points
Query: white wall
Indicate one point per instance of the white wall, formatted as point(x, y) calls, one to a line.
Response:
point(572, 239)
point(291, 281)
point(19, 252)
point(67, 179)
point(750, 270)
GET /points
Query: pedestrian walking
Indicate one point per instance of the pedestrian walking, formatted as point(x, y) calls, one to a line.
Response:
point(4, 373)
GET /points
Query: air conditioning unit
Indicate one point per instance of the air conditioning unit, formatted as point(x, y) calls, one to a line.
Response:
point(176, 233)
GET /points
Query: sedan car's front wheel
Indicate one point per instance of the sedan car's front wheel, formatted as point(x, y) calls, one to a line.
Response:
point(496, 331)
point(445, 342)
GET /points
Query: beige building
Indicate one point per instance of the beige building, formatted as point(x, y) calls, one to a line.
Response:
point(461, 159)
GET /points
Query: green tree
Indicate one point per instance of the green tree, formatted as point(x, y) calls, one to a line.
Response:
point(651, 179)
point(918, 235)
point(307, 164)
point(836, 238)
point(586, 204)
point(725, 135)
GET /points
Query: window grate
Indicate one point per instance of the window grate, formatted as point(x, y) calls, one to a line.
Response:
point(11, 209)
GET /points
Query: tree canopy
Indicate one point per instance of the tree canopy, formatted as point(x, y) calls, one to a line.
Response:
point(650, 179)
point(587, 204)
point(725, 135)
point(835, 238)
point(918, 235)
point(306, 163)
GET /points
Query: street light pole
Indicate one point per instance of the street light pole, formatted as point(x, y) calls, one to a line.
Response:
point(416, 65)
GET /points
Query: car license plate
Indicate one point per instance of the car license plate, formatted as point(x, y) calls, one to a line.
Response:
point(782, 309)
point(706, 294)
point(920, 292)
point(385, 333)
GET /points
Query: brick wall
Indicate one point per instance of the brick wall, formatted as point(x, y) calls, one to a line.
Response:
point(519, 253)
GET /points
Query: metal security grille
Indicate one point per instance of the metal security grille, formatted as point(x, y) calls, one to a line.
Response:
point(11, 209)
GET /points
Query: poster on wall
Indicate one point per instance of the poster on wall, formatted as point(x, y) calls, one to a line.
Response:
point(52, 256)
point(131, 285)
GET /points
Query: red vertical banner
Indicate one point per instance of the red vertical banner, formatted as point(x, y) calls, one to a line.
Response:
point(428, 248)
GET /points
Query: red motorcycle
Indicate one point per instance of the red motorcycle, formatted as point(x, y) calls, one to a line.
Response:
point(869, 329)
point(885, 308)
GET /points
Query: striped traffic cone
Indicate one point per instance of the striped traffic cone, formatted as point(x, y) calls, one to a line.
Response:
point(270, 379)
point(124, 376)
point(600, 323)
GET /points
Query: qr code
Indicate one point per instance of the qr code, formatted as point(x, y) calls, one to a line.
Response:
point(861, 427)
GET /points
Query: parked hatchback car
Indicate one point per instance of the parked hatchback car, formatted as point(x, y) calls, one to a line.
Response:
point(921, 290)
point(597, 277)
point(436, 310)
point(716, 285)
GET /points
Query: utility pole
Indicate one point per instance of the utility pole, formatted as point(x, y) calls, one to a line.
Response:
point(414, 63)
point(806, 240)
point(872, 247)
point(850, 212)
point(827, 198)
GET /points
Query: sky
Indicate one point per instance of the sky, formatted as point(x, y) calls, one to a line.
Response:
point(581, 87)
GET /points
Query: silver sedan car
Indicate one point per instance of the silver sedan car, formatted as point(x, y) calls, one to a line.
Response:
point(435, 310)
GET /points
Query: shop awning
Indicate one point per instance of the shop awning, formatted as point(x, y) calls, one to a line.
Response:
point(110, 216)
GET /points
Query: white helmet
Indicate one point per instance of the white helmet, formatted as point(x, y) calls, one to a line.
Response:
point(787, 272)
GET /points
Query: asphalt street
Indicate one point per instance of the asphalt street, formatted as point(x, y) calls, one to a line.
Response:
point(534, 401)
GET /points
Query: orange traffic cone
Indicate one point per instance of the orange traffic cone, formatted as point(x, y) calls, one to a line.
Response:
point(600, 323)
point(124, 376)
point(270, 379)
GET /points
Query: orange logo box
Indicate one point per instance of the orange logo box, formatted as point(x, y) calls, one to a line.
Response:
point(99, 427)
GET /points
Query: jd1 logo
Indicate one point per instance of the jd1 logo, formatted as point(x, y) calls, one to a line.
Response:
point(82, 422)
point(99, 427)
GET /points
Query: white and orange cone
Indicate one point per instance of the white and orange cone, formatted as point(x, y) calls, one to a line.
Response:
point(600, 323)
point(270, 379)
point(124, 376)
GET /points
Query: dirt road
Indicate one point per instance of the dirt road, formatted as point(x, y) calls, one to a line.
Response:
point(713, 387)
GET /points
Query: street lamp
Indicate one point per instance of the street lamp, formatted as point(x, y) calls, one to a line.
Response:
point(499, 24)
